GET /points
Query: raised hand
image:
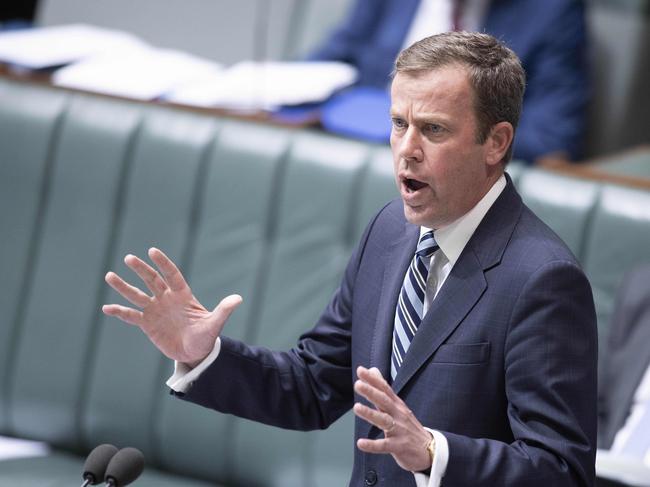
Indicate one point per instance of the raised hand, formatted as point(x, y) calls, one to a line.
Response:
point(404, 436)
point(173, 319)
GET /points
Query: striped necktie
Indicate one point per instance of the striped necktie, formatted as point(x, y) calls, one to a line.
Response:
point(410, 304)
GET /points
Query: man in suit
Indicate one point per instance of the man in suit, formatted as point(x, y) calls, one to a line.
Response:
point(463, 332)
point(549, 37)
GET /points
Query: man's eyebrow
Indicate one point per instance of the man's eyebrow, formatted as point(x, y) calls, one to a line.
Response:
point(429, 117)
point(422, 118)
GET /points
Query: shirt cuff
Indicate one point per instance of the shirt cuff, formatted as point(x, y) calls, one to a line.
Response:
point(184, 375)
point(440, 460)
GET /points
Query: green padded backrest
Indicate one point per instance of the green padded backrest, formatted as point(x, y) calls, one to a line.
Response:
point(51, 353)
point(377, 188)
point(124, 387)
point(307, 254)
point(333, 453)
point(229, 255)
point(618, 241)
point(309, 247)
point(29, 118)
point(565, 204)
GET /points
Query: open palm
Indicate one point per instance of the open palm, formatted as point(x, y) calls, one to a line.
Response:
point(173, 319)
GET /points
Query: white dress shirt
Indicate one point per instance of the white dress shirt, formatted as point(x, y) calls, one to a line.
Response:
point(451, 239)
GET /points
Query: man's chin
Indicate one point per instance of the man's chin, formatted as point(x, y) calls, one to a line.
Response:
point(418, 215)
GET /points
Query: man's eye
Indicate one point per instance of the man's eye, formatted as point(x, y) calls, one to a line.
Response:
point(398, 123)
point(433, 128)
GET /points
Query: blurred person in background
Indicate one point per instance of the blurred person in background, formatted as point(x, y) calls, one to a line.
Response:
point(624, 382)
point(549, 37)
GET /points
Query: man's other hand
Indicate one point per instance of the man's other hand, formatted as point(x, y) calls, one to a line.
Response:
point(404, 436)
point(171, 317)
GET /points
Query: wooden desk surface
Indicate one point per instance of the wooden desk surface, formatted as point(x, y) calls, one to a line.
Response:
point(628, 168)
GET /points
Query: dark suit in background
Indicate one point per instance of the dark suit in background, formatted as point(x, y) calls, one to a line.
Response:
point(627, 356)
point(17, 10)
point(503, 364)
point(548, 36)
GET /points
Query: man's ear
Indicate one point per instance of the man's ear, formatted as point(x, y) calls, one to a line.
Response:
point(498, 141)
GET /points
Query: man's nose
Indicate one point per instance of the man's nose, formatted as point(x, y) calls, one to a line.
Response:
point(410, 146)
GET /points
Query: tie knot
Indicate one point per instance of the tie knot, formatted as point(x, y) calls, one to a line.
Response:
point(427, 245)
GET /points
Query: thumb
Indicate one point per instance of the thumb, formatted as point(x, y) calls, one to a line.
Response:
point(225, 308)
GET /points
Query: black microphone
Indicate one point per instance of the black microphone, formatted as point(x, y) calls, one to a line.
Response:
point(124, 467)
point(96, 463)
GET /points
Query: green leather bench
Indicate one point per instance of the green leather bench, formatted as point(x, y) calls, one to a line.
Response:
point(242, 207)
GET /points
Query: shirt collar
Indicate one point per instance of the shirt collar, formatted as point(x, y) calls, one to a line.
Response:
point(452, 238)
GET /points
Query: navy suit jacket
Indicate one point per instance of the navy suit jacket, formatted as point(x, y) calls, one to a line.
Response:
point(548, 36)
point(503, 363)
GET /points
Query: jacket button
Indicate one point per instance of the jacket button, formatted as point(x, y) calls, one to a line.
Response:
point(371, 477)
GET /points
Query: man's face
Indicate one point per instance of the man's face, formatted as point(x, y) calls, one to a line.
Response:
point(440, 169)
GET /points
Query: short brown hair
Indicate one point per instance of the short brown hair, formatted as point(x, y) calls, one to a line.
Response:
point(495, 73)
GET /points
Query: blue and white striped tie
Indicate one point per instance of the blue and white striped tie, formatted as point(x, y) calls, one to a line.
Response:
point(408, 314)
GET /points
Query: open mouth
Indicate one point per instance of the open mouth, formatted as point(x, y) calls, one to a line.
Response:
point(413, 184)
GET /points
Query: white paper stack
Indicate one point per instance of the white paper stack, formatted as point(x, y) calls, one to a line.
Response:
point(266, 86)
point(116, 63)
point(143, 73)
point(55, 46)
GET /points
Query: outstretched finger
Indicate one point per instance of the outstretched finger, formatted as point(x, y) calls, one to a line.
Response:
point(127, 315)
point(381, 445)
point(373, 377)
point(147, 273)
point(127, 291)
point(168, 269)
point(377, 397)
point(381, 420)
